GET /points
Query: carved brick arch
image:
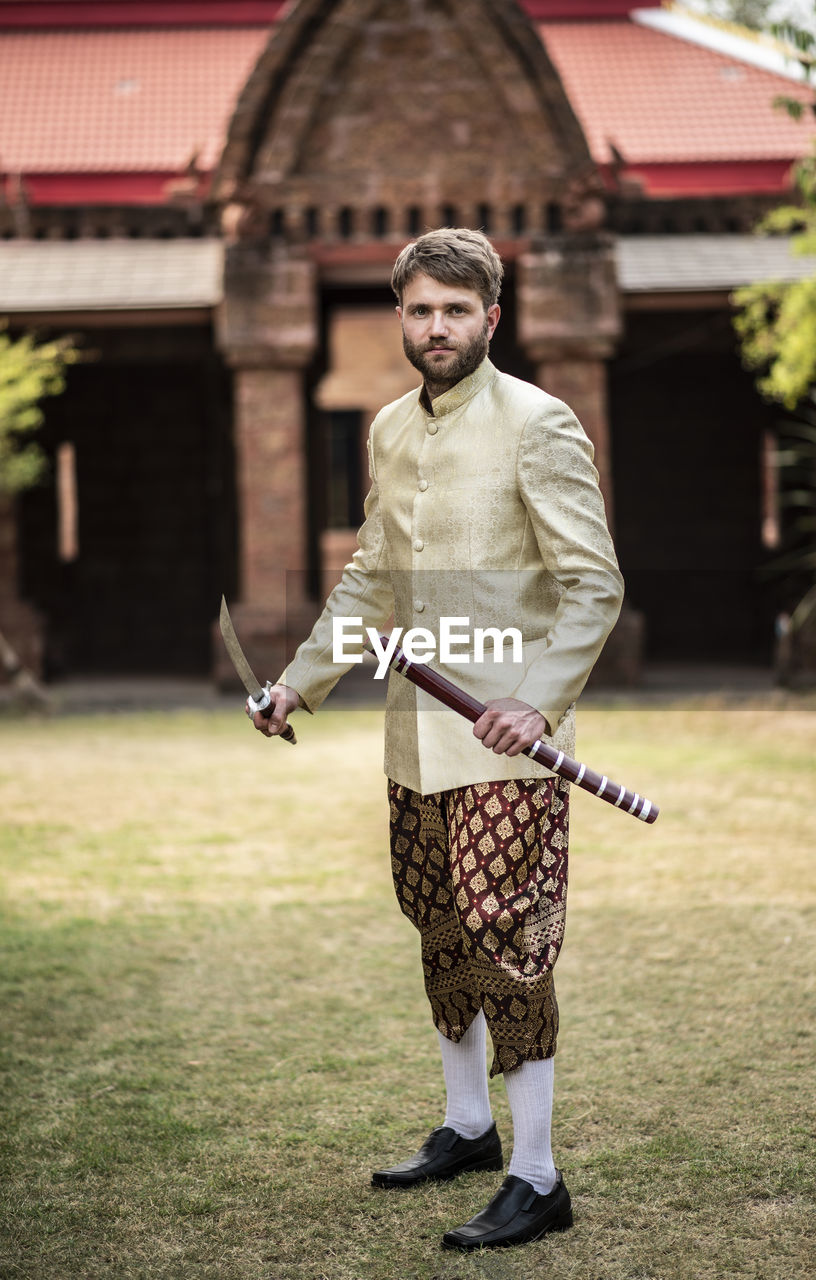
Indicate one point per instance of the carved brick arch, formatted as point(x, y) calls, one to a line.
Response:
point(370, 120)
point(362, 116)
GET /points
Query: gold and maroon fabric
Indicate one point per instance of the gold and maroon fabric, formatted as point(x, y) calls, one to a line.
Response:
point(482, 873)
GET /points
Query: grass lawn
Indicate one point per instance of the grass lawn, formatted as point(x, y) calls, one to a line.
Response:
point(213, 1025)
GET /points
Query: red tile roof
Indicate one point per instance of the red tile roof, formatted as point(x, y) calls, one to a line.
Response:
point(572, 10)
point(137, 13)
point(77, 105)
point(163, 13)
point(123, 100)
point(664, 101)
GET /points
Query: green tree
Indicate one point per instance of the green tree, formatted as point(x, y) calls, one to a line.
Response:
point(776, 328)
point(746, 13)
point(29, 371)
point(776, 322)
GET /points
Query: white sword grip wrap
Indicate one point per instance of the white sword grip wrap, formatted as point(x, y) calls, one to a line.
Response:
point(262, 703)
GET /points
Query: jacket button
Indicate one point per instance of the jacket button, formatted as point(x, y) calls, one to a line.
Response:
point(432, 428)
point(418, 544)
point(419, 606)
point(422, 486)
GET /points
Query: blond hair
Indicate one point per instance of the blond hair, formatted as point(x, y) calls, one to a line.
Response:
point(451, 255)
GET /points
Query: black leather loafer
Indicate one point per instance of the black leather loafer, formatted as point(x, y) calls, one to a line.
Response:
point(444, 1154)
point(517, 1214)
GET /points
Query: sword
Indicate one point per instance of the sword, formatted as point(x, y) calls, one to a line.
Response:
point(450, 695)
point(259, 699)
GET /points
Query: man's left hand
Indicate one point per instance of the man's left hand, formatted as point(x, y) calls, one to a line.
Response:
point(508, 726)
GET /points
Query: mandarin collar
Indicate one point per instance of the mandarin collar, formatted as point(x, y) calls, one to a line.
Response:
point(462, 392)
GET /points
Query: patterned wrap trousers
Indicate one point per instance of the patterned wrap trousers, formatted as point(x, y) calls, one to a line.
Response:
point(481, 871)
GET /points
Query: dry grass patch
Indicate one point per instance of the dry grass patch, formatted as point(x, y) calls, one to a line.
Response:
point(214, 1025)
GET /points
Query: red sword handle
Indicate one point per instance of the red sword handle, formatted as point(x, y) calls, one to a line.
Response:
point(564, 766)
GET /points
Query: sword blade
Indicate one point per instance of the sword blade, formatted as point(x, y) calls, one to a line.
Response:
point(237, 656)
point(257, 691)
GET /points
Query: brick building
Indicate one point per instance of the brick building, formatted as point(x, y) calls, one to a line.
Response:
point(210, 196)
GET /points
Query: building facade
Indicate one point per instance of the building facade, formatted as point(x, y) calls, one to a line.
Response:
point(211, 200)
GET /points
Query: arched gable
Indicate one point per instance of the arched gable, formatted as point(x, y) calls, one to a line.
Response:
point(370, 116)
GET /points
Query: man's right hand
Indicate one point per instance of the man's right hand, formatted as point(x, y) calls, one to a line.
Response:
point(284, 701)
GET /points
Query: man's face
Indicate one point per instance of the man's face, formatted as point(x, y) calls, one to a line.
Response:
point(445, 329)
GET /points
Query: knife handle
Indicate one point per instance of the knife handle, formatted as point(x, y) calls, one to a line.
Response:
point(287, 734)
point(264, 705)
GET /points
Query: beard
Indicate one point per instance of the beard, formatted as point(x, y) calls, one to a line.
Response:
point(447, 372)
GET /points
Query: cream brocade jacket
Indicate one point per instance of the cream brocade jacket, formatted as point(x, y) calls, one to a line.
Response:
point(487, 510)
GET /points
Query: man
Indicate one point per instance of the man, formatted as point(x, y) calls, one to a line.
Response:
point(484, 508)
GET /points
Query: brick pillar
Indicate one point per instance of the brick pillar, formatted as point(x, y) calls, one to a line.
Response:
point(269, 442)
point(582, 385)
point(268, 332)
point(568, 323)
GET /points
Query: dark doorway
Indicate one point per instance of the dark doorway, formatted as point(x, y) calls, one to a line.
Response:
point(687, 428)
point(337, 468)
point(147, 425)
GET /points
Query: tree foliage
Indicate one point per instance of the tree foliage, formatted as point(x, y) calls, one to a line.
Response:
point(745, 13)
point(775, 321)
point(776, 326)
point(29, 371)
point(749, 13)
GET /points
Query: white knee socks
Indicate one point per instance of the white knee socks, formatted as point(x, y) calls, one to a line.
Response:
point(530, 1094)
point(468, 1101)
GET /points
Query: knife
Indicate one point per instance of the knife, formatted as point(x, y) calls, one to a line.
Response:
point(259, 699)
